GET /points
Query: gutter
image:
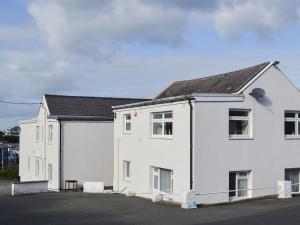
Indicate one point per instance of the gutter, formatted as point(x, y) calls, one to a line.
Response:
point(191, 143)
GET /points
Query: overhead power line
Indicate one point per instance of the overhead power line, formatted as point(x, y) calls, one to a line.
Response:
point(20, 103)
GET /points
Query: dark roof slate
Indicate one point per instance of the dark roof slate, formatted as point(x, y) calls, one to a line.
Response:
point(73, 107)
point(226, 83)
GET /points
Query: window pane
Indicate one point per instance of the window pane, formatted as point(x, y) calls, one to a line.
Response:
point(168, 128)
point(168, 115)
point(157, 115)
point(165, 180)
point(290, 115)
point(238, 113)
point(128, 117)
point(157, 128)
point(232, 185)
point(239, 127)
point(289, 127)
point(298, 128)
point(155, 182)
point(242, 186)
point(293, 176)
point(128, 126)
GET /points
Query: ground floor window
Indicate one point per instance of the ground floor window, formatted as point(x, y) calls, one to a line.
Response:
point(238, 184)
point(293, 176)
point(162, 180)
point(126, 170)
point(37, 167)
point(50, 172)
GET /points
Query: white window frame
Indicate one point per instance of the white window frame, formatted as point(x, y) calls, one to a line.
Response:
point(50, 134)
point(126, 170)
point(296, 120)
point(236, 190)
point(239, 118)
point(50, 172)
point(155, 173)
point(37, 167)
point(37, 134)
point(127, 121)
point(163, 120)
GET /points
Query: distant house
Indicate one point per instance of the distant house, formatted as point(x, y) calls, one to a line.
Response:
point(227, 137)
point(70, 139)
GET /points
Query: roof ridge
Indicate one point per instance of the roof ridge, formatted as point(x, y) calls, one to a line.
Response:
point(105, 97)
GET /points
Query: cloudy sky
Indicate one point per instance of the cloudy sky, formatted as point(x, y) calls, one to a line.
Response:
point(134, 48)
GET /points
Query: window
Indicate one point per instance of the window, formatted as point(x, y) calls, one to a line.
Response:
point(293, 176)
point(162, 124)
point(37, 167)
point(239, 123)
point(238, 184)
point(50, 134)
point(28, 164)
point(292, 124)
point(50, 172)
point(162, 180)
point(126, 170)
point(37, 133)
point(127, 123)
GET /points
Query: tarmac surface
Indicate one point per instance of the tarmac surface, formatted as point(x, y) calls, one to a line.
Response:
point(68, 208)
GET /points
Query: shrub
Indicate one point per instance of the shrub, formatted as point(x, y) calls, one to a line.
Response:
point(11, 173)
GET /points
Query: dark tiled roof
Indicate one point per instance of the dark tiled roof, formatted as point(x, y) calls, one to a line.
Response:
point(226, 83)
point(76, 107)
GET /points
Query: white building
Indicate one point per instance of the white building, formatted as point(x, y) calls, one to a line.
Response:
point(227, 137)
point(70, 139)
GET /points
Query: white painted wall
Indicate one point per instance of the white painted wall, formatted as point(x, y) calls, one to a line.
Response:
point(144, 151)
point(88, 151)
point(266, 155)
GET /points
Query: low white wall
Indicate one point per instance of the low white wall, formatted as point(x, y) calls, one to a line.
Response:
point(29, 187)
point(93, 187)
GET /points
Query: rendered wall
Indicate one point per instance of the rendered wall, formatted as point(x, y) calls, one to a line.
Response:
point(267, 154)
point(88, 151)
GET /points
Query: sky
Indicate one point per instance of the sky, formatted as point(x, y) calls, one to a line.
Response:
point(135, 48)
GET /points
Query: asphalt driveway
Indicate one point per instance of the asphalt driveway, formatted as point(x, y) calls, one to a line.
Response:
point(87, 209)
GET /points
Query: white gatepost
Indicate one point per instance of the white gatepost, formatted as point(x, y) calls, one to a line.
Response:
point(189, 200)
point(284, 189)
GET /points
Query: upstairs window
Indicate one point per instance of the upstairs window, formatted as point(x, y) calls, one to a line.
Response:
point(50, 134)
point(37, 134)
point(127, 123)
point(162, 124)
point(239, 123)
point(292, 124)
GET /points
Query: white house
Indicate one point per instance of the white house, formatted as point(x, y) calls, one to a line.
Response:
point(70, 139)
point(226, 137)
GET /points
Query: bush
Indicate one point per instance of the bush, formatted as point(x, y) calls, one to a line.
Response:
point(10, 173)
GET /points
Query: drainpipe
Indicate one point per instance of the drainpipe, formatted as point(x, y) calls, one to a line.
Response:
point(60, 156)
point(191, 143)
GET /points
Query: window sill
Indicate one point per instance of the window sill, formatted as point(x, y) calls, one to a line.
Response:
point(241, 138)
point(126, 180)
point(292, 137)
point(165, 137)
point(126, 132)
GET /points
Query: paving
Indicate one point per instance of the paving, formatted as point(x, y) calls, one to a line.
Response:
point(68, 208)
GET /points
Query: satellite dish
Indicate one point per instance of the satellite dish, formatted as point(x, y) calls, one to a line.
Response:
point(258, 93)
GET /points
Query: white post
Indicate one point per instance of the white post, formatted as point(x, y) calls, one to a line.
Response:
point(284, 189)
point(189, 200)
